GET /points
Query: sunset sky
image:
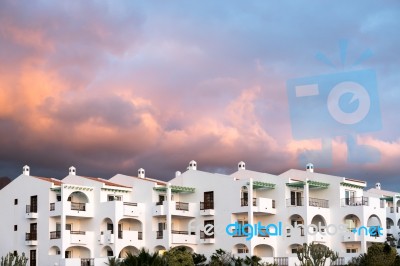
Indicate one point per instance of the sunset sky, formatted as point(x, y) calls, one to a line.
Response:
point(112, 86)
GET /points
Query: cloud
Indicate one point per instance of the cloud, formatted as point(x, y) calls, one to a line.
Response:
point(110, 87)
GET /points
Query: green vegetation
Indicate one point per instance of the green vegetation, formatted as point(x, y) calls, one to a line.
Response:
point(179, 256)
point(14, 260)
point(315, 255)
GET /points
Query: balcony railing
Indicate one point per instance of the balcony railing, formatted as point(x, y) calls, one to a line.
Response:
point(245, 202)
point(182, 206)
point(52, 206)
point(77, 232)
point(182, 232)
point(30, 236)
point(322, 203)
point(294, 201)
point(160, 234)
point(357, 201)
point(31, 208)
point(55, 235)
point(204, 236)
point(87, 262)
point(339, 262)
point(134, 204)
point(281, 261)
point(75, 206)
point(121, 235)
point(207, 205)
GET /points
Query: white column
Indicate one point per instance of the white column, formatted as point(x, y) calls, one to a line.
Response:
point(306, 194)
point(169, 217)
point(64, 201)
point(250, 214)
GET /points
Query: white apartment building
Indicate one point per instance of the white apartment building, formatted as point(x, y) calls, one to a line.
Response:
point(83, 220)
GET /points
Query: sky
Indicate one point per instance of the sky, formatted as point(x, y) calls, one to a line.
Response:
point(112, 86)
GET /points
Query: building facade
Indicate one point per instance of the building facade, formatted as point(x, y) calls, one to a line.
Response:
point(84, 220)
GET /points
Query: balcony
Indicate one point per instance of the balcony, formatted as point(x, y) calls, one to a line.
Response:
point(77, 209)
point(392, 209)
point(82, 261)
point(131, 209)
point(350, 236)
point(31, 212)
point(55, 235)
point(357, 201)
point(130, 234)
point(175, 208)
point(245, 202)
point(206, 239)
point(133, 238)
point(106, 238)
point(31, 239)
point(264, 205)
point(319, 203)
point(207, 208)
point(160, 234)
point(183, 237)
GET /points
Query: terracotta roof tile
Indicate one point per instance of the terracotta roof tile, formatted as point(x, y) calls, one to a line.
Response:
point(49, 179)
point(105, 182)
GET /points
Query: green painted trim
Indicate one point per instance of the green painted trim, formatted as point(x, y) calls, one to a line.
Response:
point(176, 189)
point(115, 190)
point(387, 198)
point(73, 187)
point(262, 185)
point(344, 184)
point(316, 184)
point(299, 184)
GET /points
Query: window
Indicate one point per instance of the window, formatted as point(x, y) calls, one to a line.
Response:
point(68, 254)
point(68, 227)
point(351, 250)
point(58, 252)
point(110, 253)
point(294, 250)
point(15, 201)
point(15, 253)
point(243, 250)
point(15, 227)
point(69, 198)
point(58, 197)
point(114, 198)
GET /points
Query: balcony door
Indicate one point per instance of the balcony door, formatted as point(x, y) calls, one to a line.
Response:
point(33, 231)
point(209, 200)
point(349, 196)
point(32, 256)
point(295, 198)
point(34, 204)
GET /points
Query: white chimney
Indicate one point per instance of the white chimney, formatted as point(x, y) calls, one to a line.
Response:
point(141, 173)
point(72, 170)
point(310, 167)
point(177, 173)
point(192, 165)
point(25, 170)
point(241, 166)
point(378, 185)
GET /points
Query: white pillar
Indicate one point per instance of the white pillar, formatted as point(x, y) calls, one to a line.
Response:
point(306, 195)
point(169, 217)
point(250, 214)
point(64, 201)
